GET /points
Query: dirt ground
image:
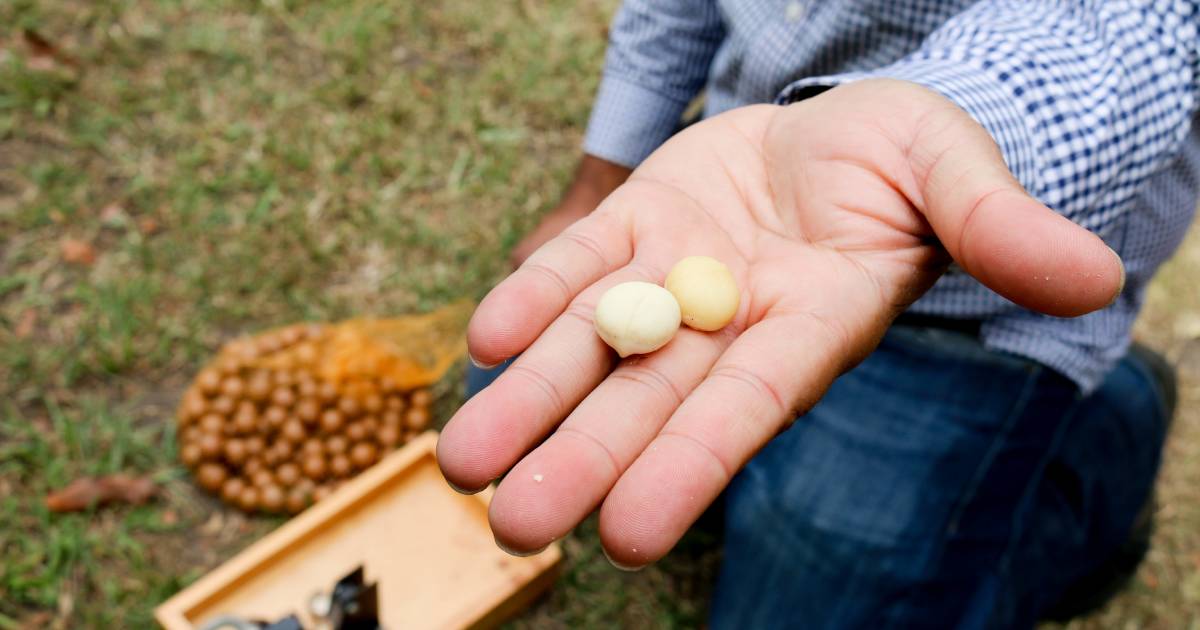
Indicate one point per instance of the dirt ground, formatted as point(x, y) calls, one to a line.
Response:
point(174, 173)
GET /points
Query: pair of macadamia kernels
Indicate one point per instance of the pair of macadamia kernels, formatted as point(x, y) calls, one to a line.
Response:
point(641, 317)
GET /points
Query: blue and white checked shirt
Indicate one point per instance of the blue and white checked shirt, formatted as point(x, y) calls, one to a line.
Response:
point(1090, 101)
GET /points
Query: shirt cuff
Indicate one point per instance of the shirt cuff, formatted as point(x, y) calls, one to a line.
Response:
point(629, 122)
point(971, 86)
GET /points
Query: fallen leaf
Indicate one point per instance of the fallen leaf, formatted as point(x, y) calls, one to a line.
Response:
point(148, 225)
point(78, 252)
point(26, 324)
point(44, 54)
point(169, 517)
point(37, 44)
point(87, 492)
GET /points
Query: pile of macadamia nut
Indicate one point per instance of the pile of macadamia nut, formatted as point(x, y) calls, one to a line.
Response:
point(275, 439)
point(641, 317)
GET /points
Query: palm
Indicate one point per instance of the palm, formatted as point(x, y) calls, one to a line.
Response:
point(827, 223)
point(835, 245)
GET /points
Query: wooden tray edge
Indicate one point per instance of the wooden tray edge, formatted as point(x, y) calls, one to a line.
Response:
point(172, 614)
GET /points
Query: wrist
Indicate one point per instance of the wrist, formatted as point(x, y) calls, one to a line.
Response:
point(595, 179)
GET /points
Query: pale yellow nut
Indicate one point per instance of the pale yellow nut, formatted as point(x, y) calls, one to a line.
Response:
point(708, 295)
point(636, 317)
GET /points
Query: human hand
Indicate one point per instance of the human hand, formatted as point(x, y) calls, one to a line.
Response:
point(594, 180)
point(834, 214)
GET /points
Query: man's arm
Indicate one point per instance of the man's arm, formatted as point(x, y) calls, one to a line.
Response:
point(834, 214)
point(659, 53)
point(1086, 98)
point(658, 59)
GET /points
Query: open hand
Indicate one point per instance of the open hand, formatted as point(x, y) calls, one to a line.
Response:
point(834, 214)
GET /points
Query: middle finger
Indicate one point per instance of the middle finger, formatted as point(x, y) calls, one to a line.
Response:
point(564, 479)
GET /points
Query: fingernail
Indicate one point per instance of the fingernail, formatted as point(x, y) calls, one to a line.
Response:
point(623, 567)
point(519, 554)
point(480, 364)
point(465, 490)
point(1121, 264)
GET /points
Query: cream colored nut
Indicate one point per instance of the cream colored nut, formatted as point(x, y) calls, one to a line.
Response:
point(707, 294)
point(637, 317)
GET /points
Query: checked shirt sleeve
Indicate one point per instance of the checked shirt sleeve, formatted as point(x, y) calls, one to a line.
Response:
point(658, 59)
point(1086, 98)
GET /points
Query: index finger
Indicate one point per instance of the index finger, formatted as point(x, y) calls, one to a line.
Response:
point(520, 308)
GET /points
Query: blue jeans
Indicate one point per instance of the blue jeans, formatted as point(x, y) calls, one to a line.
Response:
point(936, 485)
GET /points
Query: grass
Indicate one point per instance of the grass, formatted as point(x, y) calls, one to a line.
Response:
point(238, 165)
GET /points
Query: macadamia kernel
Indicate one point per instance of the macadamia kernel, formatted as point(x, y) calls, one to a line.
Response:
point(637, 317)
point(707, 294)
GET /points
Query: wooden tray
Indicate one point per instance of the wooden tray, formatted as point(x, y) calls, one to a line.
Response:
point(428, 547)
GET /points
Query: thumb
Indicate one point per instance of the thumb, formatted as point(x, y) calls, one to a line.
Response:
point(1001, 235)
